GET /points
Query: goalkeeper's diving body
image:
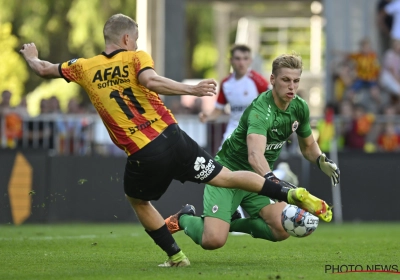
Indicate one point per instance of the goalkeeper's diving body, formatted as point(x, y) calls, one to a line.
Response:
point(255, 145)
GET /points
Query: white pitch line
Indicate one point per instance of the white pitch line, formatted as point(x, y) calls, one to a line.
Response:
point(61, 237)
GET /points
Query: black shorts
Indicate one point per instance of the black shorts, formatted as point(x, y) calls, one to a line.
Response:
point(172, 155)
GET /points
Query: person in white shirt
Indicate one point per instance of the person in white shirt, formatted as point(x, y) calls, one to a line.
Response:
point(390, 74)
point(393, 9)
point(238, 90)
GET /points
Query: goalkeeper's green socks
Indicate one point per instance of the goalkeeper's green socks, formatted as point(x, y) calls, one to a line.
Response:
point(193, 227)
point(256, 227)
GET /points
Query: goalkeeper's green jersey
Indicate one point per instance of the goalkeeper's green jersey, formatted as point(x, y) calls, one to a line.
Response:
point(265, 118)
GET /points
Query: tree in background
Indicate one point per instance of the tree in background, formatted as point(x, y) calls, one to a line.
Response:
point(201, 50)
point(13, 72)
point(61, 30)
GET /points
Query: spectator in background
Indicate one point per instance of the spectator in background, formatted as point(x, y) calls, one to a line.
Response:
point(393, 9)
point(326, 129)
point(345, 111)
point(4, 105)
point(384, 23)
point(389, 140)
point(367, 73)
point(355, 137)
point(40, 130)
point(54, 105)
point(390, 76)
point(387, 133)
point(238, 89)
point(44, 106)
point(13, 127)
point(22, 108)
point(12, 120)
point(5, 101)
point(74, 138)
point(344, 77)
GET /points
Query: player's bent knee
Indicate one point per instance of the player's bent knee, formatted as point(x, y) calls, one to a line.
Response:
point(213, 243)
point(213, 240)
point(215, 233)
point(281, 235)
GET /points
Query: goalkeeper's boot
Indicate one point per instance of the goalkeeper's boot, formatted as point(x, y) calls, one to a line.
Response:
point(303, 199)
point(177, 260)
point(173, 221)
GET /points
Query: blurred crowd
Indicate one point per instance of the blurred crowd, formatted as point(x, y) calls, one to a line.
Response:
point(366, 89)
point(366, 86)
point(51, 129)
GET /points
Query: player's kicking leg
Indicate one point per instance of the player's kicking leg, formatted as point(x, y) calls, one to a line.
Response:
point(248, 181)
point(208, 232)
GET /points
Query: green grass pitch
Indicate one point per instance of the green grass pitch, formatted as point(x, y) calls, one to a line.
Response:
point(125, 251)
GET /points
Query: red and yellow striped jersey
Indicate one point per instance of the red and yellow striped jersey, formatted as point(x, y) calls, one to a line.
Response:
point(132, 114)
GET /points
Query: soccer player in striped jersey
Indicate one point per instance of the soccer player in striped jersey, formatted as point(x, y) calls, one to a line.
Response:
point(124, 89)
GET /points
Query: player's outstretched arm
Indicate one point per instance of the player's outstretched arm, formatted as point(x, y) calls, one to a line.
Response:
point(42, 68)
point(311, 151)
point(165, 86)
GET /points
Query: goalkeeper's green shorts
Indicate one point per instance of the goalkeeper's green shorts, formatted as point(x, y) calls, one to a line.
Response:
point(221, 203)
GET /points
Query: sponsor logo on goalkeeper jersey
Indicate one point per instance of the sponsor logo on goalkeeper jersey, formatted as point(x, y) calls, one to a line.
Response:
point(274, 146)
point(205, 168)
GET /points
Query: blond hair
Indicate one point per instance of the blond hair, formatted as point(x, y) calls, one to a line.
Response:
point(116, 26)
point(292, 61)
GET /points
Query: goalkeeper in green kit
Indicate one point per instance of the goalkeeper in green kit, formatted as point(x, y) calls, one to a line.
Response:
point(255, 145)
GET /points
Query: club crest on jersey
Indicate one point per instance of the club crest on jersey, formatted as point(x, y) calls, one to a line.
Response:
point(295, 125)
point(215, 208)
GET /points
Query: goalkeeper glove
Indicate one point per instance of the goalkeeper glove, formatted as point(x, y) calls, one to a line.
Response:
point(271, 176)
point(329, 168)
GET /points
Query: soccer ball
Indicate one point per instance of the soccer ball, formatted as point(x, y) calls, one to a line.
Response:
point(298, 222)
